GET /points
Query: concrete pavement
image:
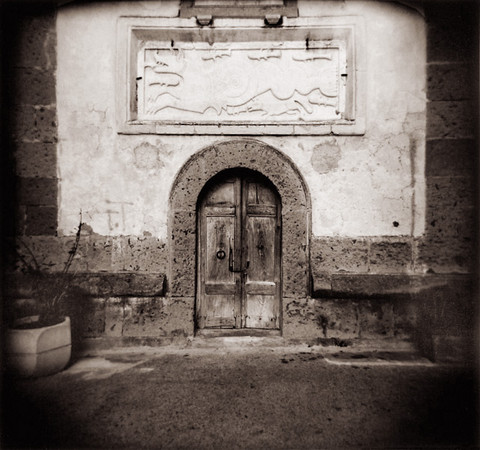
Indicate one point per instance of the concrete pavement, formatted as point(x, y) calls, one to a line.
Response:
point(244, 397)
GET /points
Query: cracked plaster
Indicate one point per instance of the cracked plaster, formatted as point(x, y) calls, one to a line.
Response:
point(374, 180)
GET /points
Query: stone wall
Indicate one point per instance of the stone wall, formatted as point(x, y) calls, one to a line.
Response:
point(450, 243)
point(397, 285)
point(29, 114)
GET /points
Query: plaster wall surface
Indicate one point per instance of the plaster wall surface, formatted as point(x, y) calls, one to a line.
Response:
point(369, 185)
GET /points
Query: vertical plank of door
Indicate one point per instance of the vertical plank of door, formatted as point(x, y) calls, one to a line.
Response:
point(238, 252)
point(261, 298)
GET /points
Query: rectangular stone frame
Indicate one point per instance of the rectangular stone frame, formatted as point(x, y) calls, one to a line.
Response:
point(133, 30)
point(189, 8)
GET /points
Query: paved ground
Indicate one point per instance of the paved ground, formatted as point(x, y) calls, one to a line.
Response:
point(251, 398)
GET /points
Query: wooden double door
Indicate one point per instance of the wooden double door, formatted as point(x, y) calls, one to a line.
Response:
point(239, 258)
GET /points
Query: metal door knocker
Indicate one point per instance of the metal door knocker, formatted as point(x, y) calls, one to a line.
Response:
point(220, 254)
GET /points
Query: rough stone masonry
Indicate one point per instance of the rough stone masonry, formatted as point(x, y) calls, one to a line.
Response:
point(379, 219)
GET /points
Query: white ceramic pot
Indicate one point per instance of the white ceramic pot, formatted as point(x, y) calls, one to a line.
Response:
point(38, 352)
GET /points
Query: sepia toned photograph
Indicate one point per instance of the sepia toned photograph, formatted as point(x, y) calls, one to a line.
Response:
point(239, 224)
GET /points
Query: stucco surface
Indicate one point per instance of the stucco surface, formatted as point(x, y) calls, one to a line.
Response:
point(360, 185)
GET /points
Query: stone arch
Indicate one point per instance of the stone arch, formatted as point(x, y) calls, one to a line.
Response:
point(296, 211)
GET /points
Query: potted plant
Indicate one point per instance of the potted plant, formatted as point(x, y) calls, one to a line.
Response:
point(40, 344)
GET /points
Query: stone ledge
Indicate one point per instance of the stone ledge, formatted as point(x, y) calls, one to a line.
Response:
point(381, 286)
point(98, 284)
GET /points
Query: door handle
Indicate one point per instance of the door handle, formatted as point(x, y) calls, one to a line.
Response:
point(231, 261)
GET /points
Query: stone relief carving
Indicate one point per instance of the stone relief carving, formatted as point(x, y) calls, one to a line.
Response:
point(257, 82)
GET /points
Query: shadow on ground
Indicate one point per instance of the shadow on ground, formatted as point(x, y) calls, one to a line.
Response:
point(254, 399)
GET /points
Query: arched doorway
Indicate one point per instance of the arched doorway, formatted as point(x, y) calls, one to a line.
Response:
point(239, 253)
point(186, 190)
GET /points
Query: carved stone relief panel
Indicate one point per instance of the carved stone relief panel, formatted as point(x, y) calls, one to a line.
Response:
point(239, 80)
point(255, 82)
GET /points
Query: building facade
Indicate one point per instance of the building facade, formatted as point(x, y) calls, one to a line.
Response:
point(304, 169)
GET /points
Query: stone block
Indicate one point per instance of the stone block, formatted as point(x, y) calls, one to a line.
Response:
point(321, 284)
point(143, 254)
point(36, 39)
point(350, 285)
point(390, 257)
point(34, 86)
point(180, 316)
point(450, 81)
point(339, 255)
point(46, 124)
point(87, 316)
point(121, 284)
point(295, 278)
point(447, 157)
point(142, 284)
point(41, 220)
point(158, 317)
point(142, 317)
point(35, 123)
point(36, 160)
point(451, 31)
point(115, 313)
point(451, 307)
point(80, 262)
point(338, 318)
point(37, 191)
point(446, 255)
point(450, 225)
point(24, 123)
point(299, 319)
point(48, 251)
point(98, 256)
point(376, 319)
point(295, 265)
point(183, 229)
point(405, 313)
point(450, 119)
point(182, 282)
point(449, 196)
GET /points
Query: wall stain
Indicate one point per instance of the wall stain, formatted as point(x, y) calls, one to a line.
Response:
point(325, 157)
point(147, 157)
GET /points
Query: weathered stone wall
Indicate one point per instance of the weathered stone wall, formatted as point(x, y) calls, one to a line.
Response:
point(29, 117)
point(437, 300)
point(450, 242)
point(374, 273)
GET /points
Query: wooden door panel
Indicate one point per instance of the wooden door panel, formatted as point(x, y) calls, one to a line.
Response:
point(261, 311)
point(220, 311)
point(220, 284)
point(261, 304)
point(222, 194)
point(220, 235)
point(259, 194)
point(260, 248)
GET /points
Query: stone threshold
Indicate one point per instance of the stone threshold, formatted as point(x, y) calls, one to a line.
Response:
point(212, 343)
